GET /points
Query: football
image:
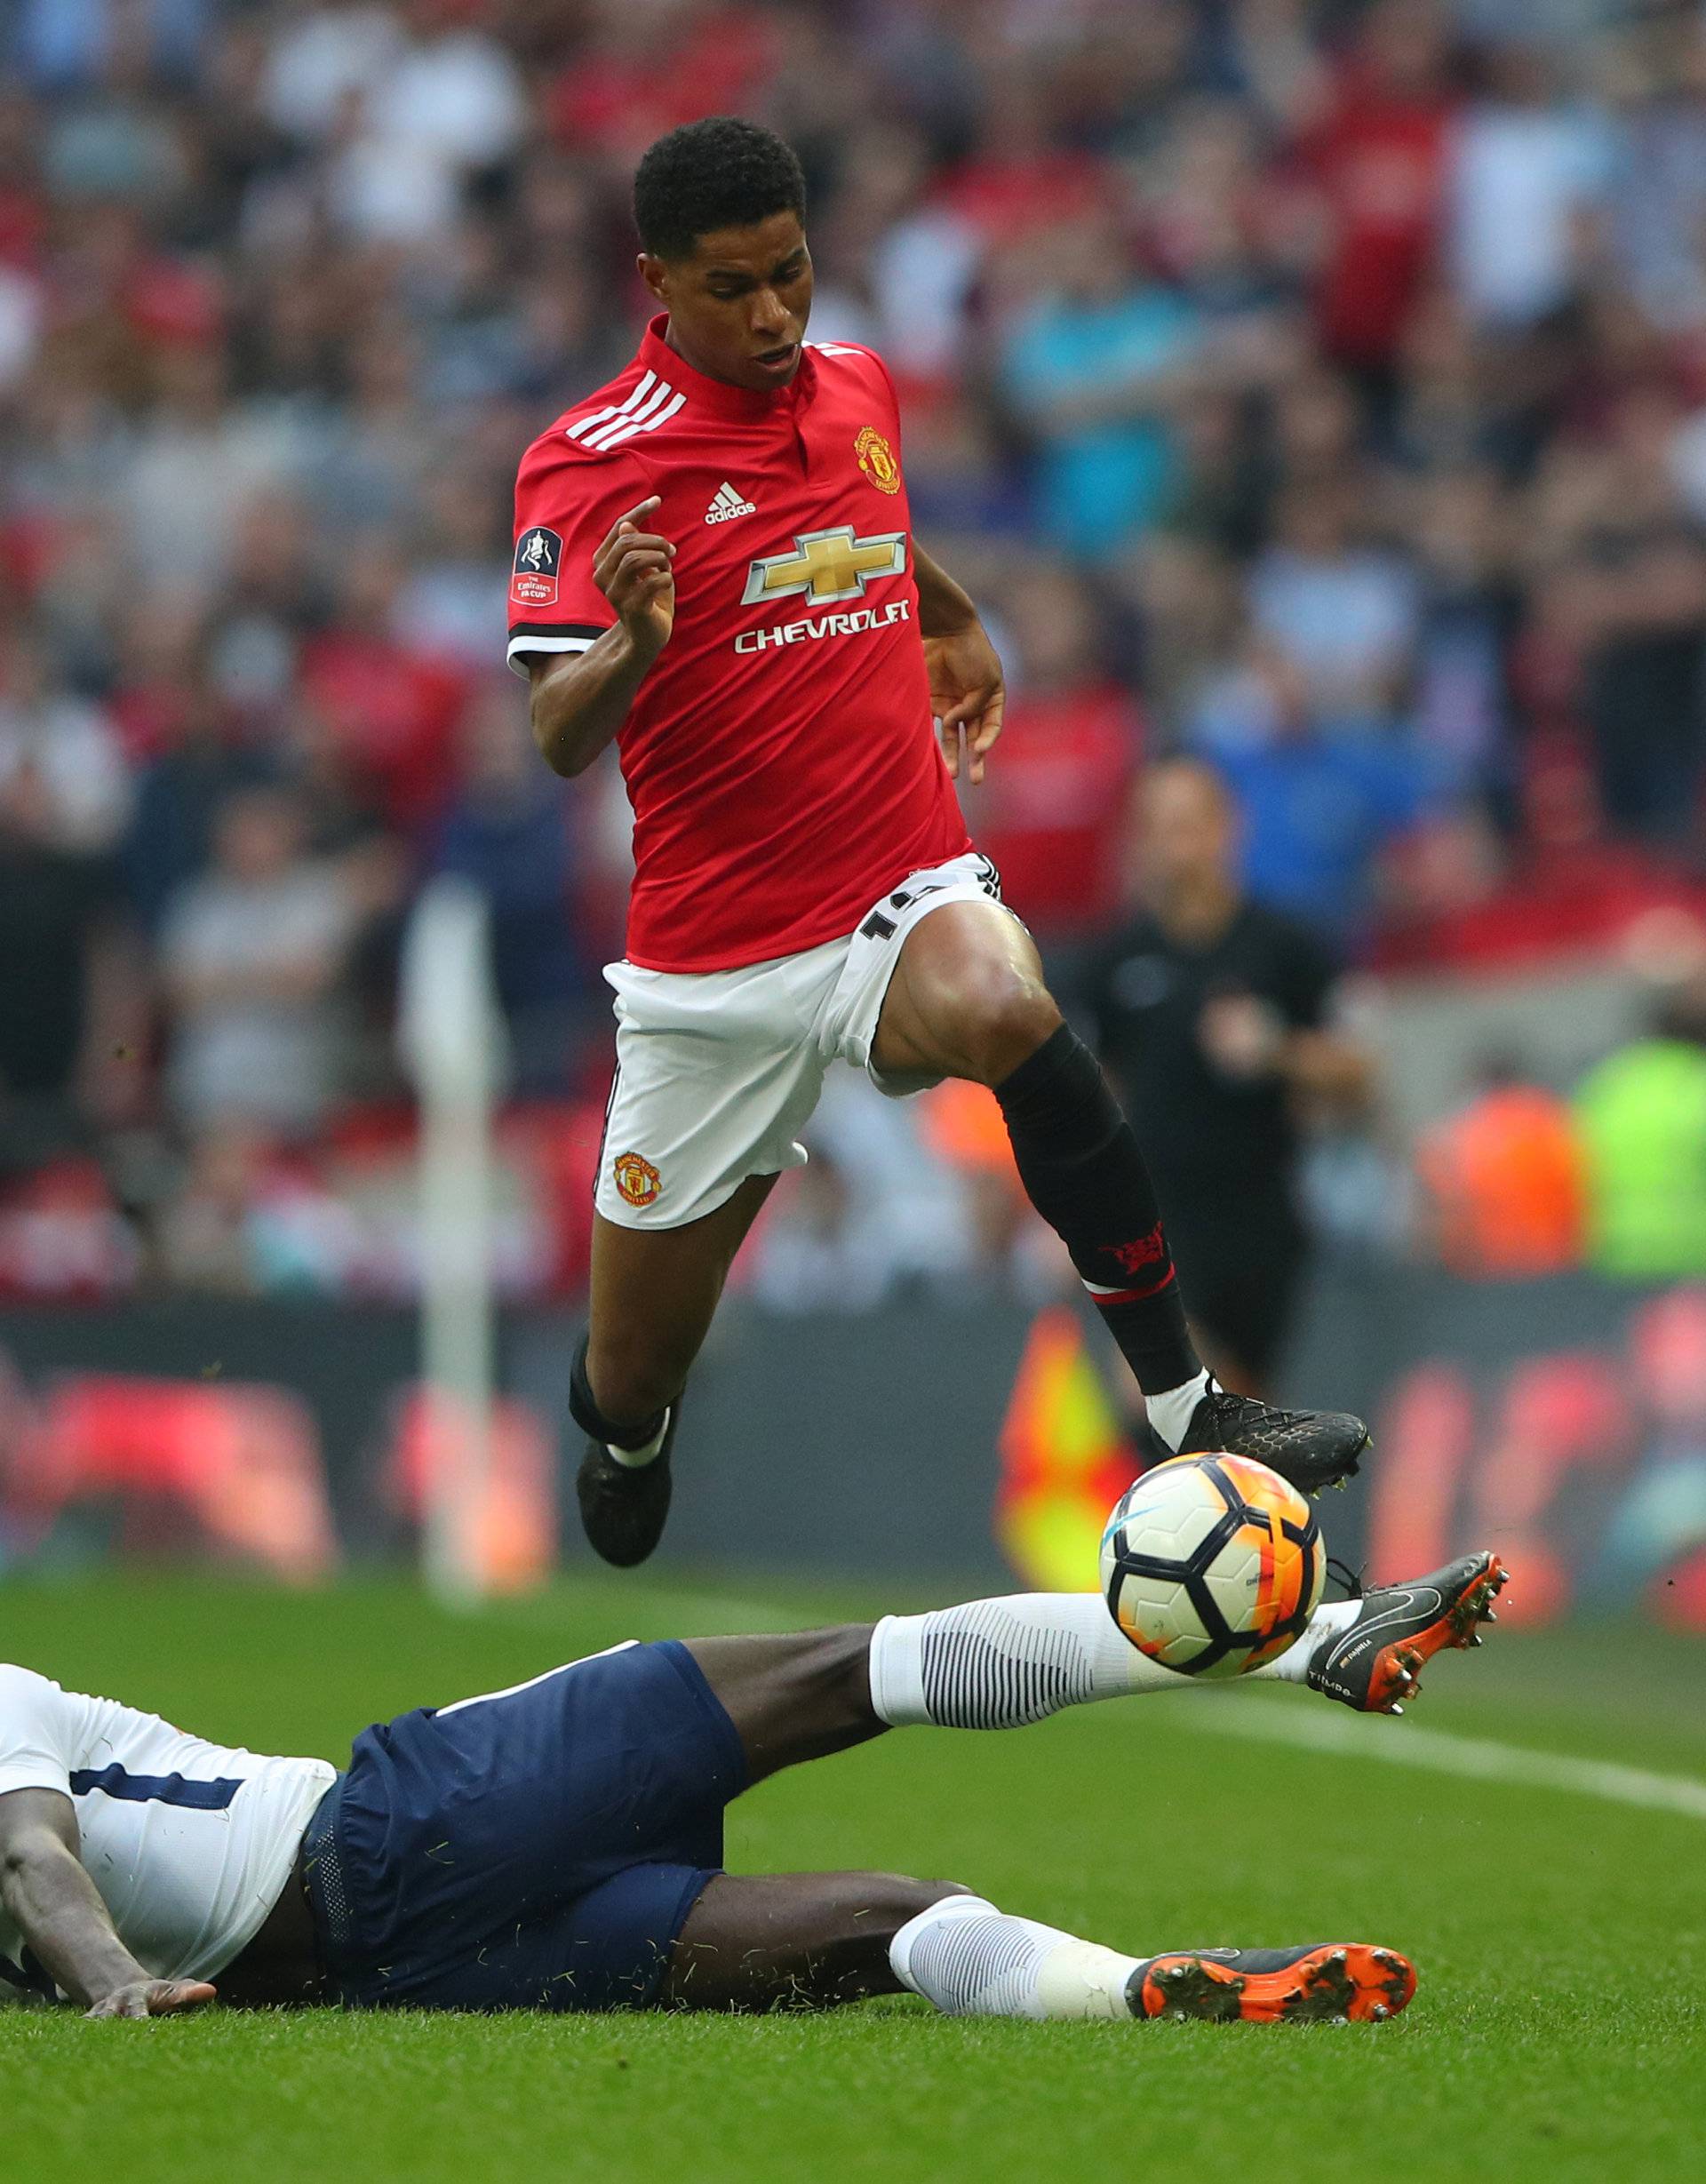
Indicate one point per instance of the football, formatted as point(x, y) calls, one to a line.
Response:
point(1212, 1565)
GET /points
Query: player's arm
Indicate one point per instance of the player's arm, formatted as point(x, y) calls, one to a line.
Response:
point(968, 690)
point(58, 1909)
point(580, 699)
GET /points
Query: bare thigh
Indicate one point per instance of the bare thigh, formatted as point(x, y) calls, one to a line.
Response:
point(793, 1941)
point(968, 998)
point(654, 1294)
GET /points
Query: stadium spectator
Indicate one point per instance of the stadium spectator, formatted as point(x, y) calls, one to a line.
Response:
point(1656, 193)
point(1377, 159)
point(1645, 597)
point(1342, 611)
point(1050, 814)
point(1094, 369)
point(251, 955)
point(68, 1020)
point(1322, 797)
point(507, 831)
point(1213, 1016)
point(1642, 1116)
point(1469, 609)
point(66, 742)
point(886, 1213)
point(458, 587)
point(1528, 164)
point(392, 708)
point(1504, 1179)
point(249, 1222)
point(183, 734)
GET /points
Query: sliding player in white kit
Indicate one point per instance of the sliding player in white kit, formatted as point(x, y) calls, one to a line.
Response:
point(559, 1845)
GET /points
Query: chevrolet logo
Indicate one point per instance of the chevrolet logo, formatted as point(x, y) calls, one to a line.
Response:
point(828, 565)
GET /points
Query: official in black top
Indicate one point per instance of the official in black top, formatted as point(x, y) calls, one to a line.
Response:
point(1212, 1019)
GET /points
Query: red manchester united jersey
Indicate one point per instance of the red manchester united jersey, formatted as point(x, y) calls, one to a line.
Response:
point(780, 756)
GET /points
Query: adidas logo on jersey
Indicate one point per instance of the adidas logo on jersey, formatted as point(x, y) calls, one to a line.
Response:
point(726, 505)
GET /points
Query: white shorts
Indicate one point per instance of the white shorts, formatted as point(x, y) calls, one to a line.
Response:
point(718, 1071)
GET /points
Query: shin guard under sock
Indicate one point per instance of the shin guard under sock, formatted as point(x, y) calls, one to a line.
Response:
point(1081, 1167)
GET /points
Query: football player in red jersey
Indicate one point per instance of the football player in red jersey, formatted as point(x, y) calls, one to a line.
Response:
point(714, 570)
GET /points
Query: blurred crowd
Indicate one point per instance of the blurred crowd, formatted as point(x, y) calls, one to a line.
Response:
point(1313, 386)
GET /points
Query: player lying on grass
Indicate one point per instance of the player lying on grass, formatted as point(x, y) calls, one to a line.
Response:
point(559, 1845)
point(715, 570)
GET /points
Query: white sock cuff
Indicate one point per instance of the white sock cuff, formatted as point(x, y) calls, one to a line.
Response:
point(637, 1459)
point(900, 1948)
point(897, 1671)
point(1170, 1413)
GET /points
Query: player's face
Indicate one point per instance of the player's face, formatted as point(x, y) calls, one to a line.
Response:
point(738, 305)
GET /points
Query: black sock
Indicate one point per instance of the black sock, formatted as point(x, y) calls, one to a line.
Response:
point(1079, 1163)
point(583, 1408)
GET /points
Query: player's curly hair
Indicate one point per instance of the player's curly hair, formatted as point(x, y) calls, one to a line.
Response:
point(717, 173)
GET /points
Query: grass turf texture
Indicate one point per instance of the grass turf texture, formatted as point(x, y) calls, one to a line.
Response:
point(1558, 2031)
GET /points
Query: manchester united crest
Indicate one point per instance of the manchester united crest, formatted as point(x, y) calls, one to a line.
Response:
point(636, 1178)
point(877, 461)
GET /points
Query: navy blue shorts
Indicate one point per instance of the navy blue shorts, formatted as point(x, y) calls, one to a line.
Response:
point(539, 1848)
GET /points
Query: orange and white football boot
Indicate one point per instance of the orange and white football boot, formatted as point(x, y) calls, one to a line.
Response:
point(1327, 1982)
point(1375, 1664)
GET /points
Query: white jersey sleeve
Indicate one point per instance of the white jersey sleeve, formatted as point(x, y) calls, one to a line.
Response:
point(34, 1748)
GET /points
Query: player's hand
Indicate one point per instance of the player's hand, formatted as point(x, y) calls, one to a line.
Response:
point(154, 1998)
point(968, 692)
point(634, 570)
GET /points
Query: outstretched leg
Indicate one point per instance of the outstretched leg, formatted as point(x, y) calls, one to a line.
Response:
point(967, 999)
point(811, 1940)
point(814, 1940)
point(1004, 1662)
point(987, 1664)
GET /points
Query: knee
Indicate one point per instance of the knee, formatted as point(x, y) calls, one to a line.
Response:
point(996, 1015)
point(833, 1668)
point(903, 1898)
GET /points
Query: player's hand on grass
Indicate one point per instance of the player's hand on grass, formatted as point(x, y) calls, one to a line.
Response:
point(966, 694)
point(634, 570)
point(154, 1998)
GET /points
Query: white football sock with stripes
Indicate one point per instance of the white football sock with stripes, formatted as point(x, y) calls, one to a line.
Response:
point(997, 1664)
point(971, 1960)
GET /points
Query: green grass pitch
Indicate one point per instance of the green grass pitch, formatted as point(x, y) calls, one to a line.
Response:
point(1559, 2031)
